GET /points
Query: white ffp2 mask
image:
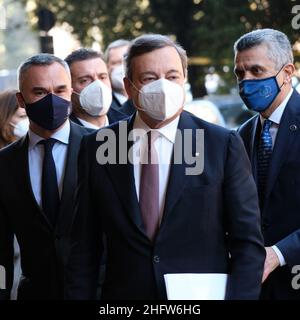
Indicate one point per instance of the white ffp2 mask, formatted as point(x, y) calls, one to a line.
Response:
point(96, 98)
point(20, 128)
point(161, 99)
point(117, 75)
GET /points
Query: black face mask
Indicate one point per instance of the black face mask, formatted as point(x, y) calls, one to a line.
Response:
point(49, 112)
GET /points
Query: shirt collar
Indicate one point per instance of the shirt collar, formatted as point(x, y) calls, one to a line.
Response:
point(278, 112)
point(168, 131)
point(122, 99)
point(89, 125)
point(61, 135)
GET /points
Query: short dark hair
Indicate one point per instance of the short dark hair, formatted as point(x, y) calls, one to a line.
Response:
point(41, 59)
point(83, 54)
point(150, 42)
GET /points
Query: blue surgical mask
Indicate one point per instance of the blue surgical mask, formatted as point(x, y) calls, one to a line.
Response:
point(49, 112)
point(259, 94)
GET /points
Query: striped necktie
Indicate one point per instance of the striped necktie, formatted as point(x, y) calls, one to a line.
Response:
point(263, 159)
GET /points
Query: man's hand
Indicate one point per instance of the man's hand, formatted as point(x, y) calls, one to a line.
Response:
point(271, 262)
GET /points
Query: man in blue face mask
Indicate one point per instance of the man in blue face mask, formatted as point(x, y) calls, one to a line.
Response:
point(264, 68)
point(38, 180)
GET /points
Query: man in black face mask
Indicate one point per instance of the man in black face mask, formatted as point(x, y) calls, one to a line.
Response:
point(264, 67)
point(38, 180)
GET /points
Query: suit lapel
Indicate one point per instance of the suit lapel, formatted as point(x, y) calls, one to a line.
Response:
point(74, 119)
point(122, 177)
point(251, 144)
point(24, 182)
point(177, 177)
point(254, 138)
point(287, 132)
point(65, 215)
point(115, 104)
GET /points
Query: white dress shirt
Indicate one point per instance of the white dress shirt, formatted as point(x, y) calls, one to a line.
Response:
point(164, 145)
point(89, 125)
point(122, 99)
point(275, 117)
point(36, 156)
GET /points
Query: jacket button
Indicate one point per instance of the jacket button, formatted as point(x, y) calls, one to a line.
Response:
point(156, 259)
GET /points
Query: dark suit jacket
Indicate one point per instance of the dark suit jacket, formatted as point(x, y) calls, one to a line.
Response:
point(210, 222)
point(127, 107)
point(115, 104)
point(281, 211)
point(44, 250)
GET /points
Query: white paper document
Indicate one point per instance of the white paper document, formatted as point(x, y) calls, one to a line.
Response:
point(196, 286)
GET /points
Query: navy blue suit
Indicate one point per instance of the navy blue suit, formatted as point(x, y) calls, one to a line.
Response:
point(210, 222)
point(281, 209)
point(128, 107)
point(44, 248)
point(115, 104)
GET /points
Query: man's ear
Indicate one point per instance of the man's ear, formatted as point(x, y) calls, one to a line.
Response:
point(289, 70)
point(21, 102)
point(128, 87)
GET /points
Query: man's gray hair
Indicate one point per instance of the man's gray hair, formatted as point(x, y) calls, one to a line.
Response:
point(148, 43)
point(41, 59)
point(278, 44)
point(115, 44)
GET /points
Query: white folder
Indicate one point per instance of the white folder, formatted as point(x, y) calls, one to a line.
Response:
point(196, 286)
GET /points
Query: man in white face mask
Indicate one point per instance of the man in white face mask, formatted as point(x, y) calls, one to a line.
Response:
point(114, 57)
point(159, 217)
point(92, 95)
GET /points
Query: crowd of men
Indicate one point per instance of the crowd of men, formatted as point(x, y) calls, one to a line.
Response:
point(101, 194)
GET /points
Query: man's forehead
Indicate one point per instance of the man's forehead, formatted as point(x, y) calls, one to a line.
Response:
point(166, 58)
point(248, 62)
point(257, 52)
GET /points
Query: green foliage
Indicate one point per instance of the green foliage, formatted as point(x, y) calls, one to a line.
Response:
point(205, 28)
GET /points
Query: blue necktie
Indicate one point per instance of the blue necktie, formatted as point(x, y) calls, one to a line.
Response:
point(264, 159)
point(50, 193)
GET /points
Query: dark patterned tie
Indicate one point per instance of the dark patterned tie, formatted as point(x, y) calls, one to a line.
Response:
point(263, 159)
point(149, 189)
point(50, 193)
